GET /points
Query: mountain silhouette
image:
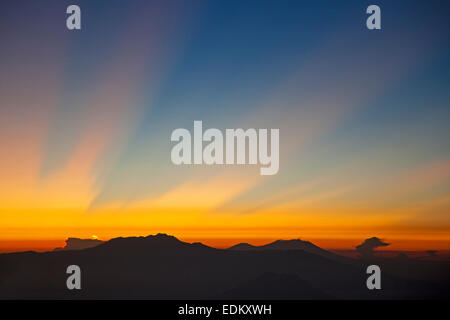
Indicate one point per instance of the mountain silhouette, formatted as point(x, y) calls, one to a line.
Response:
point(242, 246)
point(294, 244)
point(163, 267)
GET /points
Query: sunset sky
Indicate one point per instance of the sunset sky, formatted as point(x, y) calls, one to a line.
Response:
point(86, 118)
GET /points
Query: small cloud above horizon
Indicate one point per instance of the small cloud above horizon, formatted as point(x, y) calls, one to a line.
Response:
point(367, 248)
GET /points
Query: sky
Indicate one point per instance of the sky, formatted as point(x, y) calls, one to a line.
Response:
point(86, 118)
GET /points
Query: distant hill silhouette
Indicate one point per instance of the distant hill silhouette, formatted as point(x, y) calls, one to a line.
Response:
point(294, 244)
point(243, 246)
point(163, 267)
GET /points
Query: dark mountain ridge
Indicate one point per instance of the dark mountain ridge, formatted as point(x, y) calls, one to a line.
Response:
point(293, 244)
point(163, 267)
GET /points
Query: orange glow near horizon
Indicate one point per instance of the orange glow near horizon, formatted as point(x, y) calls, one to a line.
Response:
point(223, 243)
